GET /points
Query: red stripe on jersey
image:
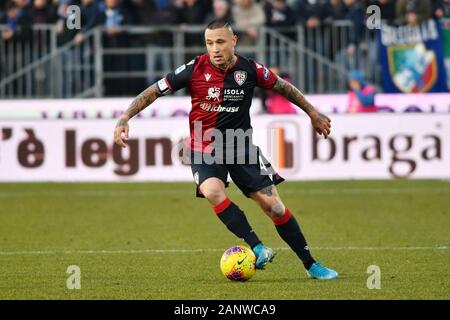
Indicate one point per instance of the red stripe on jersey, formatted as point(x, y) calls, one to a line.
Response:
point(168, 84)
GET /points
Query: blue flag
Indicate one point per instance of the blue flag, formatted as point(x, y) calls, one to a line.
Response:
point(412, 58)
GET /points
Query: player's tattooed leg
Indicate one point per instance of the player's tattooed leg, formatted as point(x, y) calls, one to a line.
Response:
point(267, 191)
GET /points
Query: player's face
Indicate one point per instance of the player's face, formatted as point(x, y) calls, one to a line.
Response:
point(220, 45)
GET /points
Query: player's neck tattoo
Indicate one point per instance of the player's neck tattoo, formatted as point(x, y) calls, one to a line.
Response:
point(231, 61)
point(226, 65)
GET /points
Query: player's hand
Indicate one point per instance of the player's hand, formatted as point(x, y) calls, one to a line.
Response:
point(321, 123)
point(121, 127)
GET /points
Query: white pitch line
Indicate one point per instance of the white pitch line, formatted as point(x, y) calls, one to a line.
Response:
point(117, 193)
point(146, 251)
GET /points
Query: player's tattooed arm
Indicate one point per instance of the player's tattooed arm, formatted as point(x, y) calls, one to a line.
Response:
point(293, 95)
point(142, 101)
point(320, 122)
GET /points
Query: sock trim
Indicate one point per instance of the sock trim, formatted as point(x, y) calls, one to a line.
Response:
point(285, 218)
point(219, 208)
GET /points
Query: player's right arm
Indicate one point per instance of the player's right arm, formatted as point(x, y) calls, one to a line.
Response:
point(142, 101)
point(175, 80)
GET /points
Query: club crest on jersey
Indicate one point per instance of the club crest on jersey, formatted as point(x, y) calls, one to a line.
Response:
point(213, 93)
point(240, 77)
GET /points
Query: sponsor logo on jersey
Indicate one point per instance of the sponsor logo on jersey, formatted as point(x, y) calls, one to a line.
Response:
point(233, 95)
point(217, 107)
point(240, 77)
point(233, 92)
point(207, 76)
point(266, 73)
point(180, 69)
point(213, 94)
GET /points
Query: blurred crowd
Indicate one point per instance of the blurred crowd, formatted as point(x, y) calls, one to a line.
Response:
point(248, 14)
point(19, 15)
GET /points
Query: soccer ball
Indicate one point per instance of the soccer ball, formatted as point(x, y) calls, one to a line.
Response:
point(238, 263)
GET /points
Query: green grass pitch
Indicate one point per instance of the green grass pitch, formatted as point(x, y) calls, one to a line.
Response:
point(157, 241)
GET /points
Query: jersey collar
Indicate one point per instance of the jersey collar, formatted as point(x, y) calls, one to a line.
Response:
point(220, 70)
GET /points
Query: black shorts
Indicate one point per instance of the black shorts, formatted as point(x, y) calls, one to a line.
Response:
point(247, 177)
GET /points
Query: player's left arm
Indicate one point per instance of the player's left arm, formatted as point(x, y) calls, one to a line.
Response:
point(320, 122)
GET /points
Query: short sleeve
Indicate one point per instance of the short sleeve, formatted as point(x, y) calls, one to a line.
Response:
point(265, 78)
point(177, 79)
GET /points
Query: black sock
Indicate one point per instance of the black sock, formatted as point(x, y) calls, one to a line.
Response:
point(236, 222)
point(290, 232)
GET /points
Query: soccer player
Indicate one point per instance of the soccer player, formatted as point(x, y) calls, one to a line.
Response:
point(221, 85)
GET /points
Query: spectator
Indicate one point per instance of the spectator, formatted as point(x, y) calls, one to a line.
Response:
point(90, 17)
point(248, 16)
point(154, 12)
point(114, 17)
point(348, 57)
point(335, 10)
point(18, 30)
point(413, 12)
point(354, 14)
point(387, 9)
point(143, 11)
point(43, 12)
point(190, 11)
point(2, 10)
point(442, 9)
point(388, 16)
point(279, 14)
point(276, 103)
point(18, 22)
point(310, 13)
point(64, 34)
point(361, 96)
point(24, 5)
point(221, 10)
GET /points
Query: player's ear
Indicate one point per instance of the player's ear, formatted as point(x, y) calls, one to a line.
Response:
point(234, 40)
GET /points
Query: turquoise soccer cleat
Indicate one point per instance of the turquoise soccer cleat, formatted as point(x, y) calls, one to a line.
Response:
point(263, 254)
point(317, 271)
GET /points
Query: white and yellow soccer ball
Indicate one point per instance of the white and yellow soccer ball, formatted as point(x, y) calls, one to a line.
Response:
point(238, 263)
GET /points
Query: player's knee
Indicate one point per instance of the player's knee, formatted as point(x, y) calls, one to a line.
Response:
point(277, 210)
point(214, 194)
